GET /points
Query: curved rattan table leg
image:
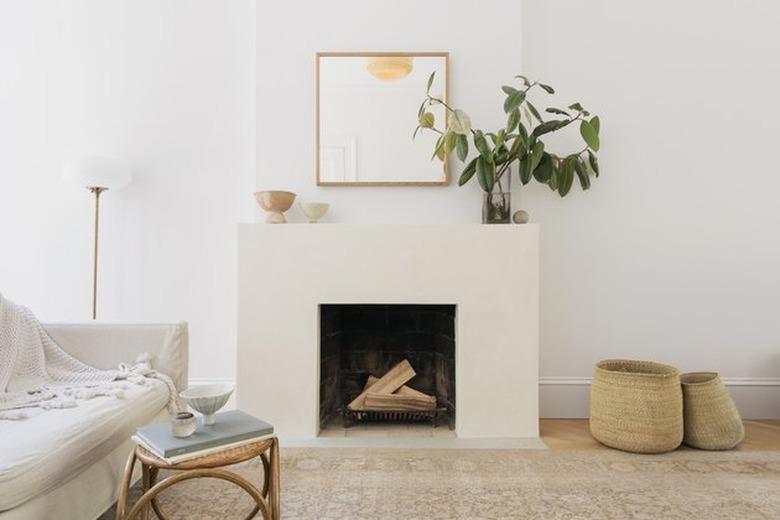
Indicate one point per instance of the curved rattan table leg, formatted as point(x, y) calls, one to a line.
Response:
point(146, 485)
point(266, 474)
point(202, 473)
point(124, 489)
point(274, 500)
point(155, 506)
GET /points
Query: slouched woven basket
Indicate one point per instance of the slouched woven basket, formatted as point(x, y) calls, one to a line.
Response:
point(636, 406)
point(712, 421)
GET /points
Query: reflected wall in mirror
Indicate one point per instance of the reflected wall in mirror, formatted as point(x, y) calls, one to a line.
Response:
point(367, 105)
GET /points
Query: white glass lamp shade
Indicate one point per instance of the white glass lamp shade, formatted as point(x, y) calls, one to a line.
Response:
point(96, 171)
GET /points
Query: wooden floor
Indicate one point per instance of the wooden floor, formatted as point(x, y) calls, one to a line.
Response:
point(573, 434)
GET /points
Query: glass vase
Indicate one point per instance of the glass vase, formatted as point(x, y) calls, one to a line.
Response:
point(496, 205)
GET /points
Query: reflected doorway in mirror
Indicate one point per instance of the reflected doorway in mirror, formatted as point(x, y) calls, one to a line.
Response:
point(338, 159)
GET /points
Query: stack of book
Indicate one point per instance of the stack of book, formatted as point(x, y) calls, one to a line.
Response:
point(231, 430)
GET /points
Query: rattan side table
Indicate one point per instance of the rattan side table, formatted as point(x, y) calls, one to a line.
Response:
point(208, 466)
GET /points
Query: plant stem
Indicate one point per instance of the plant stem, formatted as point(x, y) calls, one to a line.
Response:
point(445, 105)
point(503, 169)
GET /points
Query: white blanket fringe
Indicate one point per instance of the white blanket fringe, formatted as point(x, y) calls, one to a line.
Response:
point(36, 373)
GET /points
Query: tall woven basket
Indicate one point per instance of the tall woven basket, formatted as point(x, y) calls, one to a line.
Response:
point(636, 406)
point(712, 421)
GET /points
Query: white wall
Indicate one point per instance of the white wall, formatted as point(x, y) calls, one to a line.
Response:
point(673, 255)
point(168, 85)
point(290, 33)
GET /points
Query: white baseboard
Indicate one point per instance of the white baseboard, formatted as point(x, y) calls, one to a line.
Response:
point(569, 397)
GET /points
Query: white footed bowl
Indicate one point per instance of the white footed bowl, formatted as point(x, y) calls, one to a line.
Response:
point(207, 399)
point(314, 210)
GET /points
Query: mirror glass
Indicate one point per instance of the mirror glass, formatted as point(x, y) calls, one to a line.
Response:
point(367, 111)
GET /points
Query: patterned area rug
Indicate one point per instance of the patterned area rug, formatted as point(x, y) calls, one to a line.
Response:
point(501, 484)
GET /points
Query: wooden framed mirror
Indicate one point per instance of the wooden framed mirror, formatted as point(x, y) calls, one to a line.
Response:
point(367, 106)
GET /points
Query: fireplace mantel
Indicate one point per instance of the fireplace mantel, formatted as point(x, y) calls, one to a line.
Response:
point(490, 272)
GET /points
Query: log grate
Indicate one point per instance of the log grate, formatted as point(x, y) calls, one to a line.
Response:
point(352, 417)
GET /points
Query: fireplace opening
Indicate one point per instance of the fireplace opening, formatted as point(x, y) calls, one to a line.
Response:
point(360, 343)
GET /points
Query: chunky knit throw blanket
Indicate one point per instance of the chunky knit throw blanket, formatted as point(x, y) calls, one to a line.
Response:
point(36, 372)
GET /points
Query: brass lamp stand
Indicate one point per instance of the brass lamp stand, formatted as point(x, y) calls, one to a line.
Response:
point(97, 190)
point(97, 174)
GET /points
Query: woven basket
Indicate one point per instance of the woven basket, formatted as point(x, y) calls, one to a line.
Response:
point(636, 406)
point(712, 421)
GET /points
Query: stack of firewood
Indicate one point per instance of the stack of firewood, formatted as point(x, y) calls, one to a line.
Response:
point(390, 392)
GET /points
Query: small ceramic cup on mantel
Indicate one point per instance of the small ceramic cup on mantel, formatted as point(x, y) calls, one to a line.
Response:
point(314, 211)
point(183, 424)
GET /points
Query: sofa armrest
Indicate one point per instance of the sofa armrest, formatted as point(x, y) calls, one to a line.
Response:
point(106, 345)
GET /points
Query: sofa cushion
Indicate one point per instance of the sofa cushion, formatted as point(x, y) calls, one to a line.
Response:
point(45, 450)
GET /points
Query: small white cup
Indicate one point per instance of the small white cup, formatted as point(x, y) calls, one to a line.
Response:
point(183, 424)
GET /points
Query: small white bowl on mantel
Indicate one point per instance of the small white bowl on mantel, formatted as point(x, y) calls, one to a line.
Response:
point(314, 211)
point(207, 399)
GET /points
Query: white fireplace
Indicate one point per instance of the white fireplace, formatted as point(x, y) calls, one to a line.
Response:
point(489, 272)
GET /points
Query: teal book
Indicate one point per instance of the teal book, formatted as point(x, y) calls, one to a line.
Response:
point(230, 428)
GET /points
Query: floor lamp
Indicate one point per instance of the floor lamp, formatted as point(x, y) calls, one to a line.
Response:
point(97, 174)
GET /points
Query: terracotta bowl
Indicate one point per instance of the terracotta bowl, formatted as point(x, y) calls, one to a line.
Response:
point(275, 203)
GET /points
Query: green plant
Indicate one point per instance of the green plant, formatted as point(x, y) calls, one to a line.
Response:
point(519, 140)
